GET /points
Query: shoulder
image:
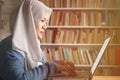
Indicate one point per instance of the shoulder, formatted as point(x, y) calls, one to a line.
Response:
point(6, 43)
point(6, 50)
point(14, 54)
point(11, 55)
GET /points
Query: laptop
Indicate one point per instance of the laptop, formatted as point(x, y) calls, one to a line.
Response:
point(88, 75)
point(99, 57)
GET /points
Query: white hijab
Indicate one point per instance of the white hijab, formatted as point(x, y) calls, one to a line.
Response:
point(23, 23)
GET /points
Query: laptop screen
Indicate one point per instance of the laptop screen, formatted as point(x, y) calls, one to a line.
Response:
point(99, 56)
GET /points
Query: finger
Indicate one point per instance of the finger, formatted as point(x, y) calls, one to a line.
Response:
point(68, 63)
point(67, 66)
point(71, 64)
point(72, 68)
point(70, 71)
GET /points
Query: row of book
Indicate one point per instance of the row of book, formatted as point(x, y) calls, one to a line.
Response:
point(83, 56)
point(81, 35)
point(112, 56)
point(81, 3)
point(85, 18)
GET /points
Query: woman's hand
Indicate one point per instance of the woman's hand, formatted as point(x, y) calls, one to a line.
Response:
point(65, 66)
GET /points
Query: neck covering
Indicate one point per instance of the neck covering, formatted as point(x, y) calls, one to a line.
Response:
point(23, 28)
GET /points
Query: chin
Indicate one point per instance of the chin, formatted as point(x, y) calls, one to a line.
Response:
point(40, 37)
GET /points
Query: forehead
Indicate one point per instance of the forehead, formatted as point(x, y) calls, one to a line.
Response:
point(46, 16)
point(43, 18)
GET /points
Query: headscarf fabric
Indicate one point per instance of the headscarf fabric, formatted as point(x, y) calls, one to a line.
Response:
point(23, 28)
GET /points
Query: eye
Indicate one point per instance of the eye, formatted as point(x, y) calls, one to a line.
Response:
point(42, 20)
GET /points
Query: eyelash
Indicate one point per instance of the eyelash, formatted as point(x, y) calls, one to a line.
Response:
point(42, 20)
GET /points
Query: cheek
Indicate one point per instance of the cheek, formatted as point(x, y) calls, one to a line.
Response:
point(38, 29)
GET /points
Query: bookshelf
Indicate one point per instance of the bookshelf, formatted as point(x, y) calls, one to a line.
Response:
point(78, 29)
point(1, 3)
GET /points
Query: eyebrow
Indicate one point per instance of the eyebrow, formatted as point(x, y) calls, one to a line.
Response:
point(45, 19)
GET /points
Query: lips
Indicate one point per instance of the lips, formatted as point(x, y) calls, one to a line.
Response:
point(42, 32)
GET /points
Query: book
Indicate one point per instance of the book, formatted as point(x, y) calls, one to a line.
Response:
point(75, 55)
point(118, 56)
point(112, 56)
point(89, 57)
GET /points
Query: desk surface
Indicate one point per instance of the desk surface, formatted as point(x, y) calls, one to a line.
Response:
point(94, 78)
point(106, 78)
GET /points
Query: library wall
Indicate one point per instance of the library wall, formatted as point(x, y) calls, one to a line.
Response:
point(95, 26)
point(6, 9)
point(75, 23)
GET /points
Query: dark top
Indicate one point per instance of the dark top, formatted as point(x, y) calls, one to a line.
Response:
point(12, 65)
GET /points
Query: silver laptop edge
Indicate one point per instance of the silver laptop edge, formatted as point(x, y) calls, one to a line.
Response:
point(99, 56)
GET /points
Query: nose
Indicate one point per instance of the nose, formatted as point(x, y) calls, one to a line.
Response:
point(44, 27)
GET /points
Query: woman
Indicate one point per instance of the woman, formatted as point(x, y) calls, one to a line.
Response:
point(21, 56)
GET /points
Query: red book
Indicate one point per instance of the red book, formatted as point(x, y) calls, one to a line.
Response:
point(118, 56)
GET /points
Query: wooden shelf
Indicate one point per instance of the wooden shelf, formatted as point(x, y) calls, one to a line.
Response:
point(84, 27)
point(53, 45)
point(87, 9)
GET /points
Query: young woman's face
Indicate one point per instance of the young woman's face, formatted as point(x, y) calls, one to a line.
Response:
point(42, 26)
